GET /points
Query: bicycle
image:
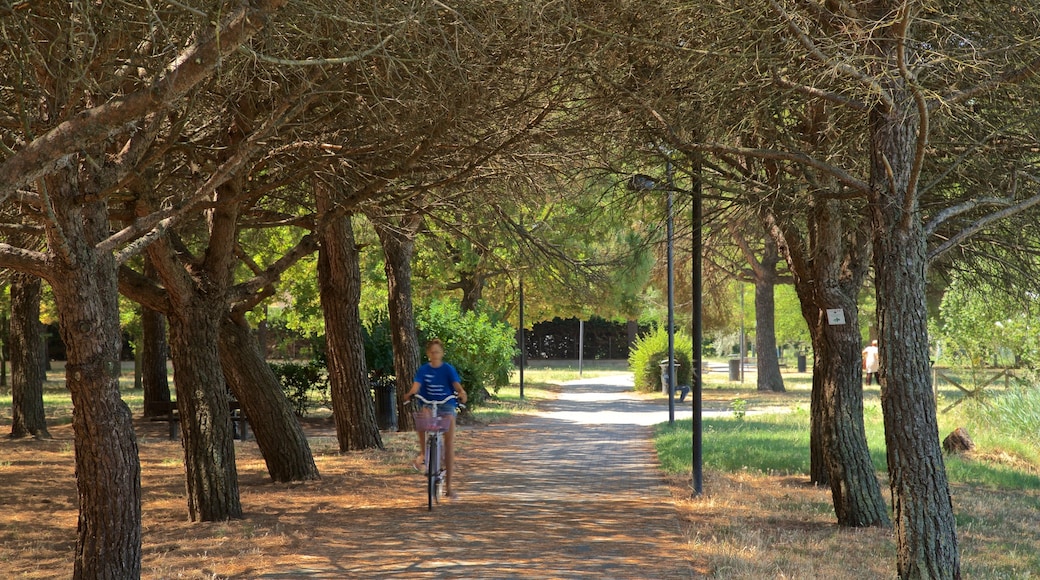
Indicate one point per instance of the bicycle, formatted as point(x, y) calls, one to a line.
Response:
point(435, 425)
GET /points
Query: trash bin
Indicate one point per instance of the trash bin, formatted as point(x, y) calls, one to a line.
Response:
point(664, 374)
point(734, 369)
point(801, 363)
point(386, 406)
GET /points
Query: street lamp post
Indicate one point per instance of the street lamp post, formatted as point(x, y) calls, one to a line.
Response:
point(523, 343)
point(671, 301)
point(644, 183)
point(698, 336)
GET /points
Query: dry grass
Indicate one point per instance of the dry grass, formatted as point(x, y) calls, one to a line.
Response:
point(747, 525)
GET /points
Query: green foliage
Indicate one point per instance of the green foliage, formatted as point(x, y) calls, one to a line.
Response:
point(648, 352)
point(982, 326)
point(789, 324)
point(379, 347)
point(480, 347)
point(1014, 413)
point(739, 407)
point(300, 380)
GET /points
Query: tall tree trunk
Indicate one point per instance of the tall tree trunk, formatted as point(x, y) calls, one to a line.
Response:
point(925, 525)
point(339, 280)
point(828, 275)
point(398, 246)
point(108, 474)
point(767, 361)
point(278, 432)
point(27, 374)
point(154, 356)
point(197, 303)
point(763, 272)
point(202, 400)
point(4, 343)
point(155, 353)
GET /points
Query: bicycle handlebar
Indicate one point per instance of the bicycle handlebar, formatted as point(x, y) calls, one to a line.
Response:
point(441, 402)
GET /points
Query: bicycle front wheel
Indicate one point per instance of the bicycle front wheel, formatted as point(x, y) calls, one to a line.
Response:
point(432, 471)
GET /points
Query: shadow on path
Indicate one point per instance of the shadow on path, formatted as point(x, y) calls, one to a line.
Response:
point(572, 492)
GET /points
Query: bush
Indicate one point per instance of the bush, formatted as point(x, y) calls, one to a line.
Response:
point(648, 352)
point(480, 347)
point(298, 380)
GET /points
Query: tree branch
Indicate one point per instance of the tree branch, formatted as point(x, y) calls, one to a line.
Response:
point(24, 260)
point(850, 71)
point(982, 223)
point(1009, 77)
point(45, 154)
point(839, 174)
point(820, 93)
point(911, 193)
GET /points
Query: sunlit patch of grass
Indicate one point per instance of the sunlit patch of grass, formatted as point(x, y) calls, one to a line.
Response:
point(562, 371)
point(758, 468)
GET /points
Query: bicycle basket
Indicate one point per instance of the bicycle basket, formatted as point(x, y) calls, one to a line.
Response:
point(425, 421)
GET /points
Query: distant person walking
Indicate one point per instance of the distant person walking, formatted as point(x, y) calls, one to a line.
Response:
point(871, 361)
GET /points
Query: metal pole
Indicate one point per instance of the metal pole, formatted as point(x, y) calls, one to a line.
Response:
point(581, 344)
point(523, 343)
point(743, 348)
point(698, 336)
point(671, 305)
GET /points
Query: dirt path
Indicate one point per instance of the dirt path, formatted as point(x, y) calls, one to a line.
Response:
point(570, 493)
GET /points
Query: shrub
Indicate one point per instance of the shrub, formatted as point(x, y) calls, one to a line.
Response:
point(480, 347)
point(298, 380)
point(648, 352)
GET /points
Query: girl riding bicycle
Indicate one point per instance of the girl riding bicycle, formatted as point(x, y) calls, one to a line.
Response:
point(436, 380)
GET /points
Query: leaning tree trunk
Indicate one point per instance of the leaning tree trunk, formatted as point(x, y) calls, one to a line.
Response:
point(278, 432)
point(202, 400)
point(339, 280)
point(855, 491)
point(398, 247)
point(27, 371)
point(828, 275)
point(925, 526)
point(108, 472)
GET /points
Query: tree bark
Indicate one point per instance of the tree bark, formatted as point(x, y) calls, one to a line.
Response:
point(27, 369)
point(202, 400)
point(828, 275)
point(339, 281)
point(398, 247)
point(278, 432)
point(925, 526)
point(108, 475)
point(197, 303)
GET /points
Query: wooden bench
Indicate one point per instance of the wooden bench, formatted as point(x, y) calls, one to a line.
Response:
point(169, 413)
